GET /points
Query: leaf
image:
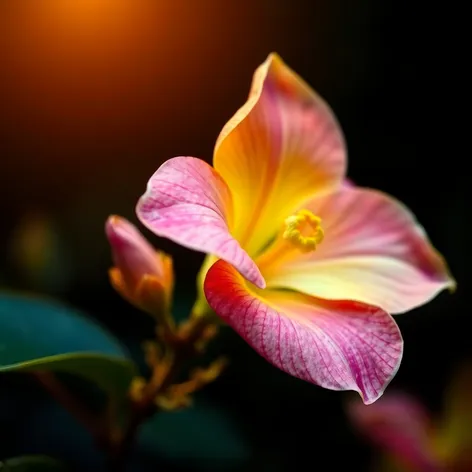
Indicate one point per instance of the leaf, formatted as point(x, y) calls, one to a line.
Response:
point(50, 430)
point(31, 464)
point(200, 435)
point(203, 438)
point(111, 374)
point(38, 334)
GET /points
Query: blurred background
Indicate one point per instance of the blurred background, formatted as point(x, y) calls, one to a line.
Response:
point(96, 94)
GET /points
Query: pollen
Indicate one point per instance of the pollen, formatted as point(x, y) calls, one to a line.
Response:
point(304, 230)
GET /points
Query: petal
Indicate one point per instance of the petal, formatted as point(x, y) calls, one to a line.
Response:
point(279, 149)
point(340, 345)
point(188, 202)
point(374, 251)
point(401, 427)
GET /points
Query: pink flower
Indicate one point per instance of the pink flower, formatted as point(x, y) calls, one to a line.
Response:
point(411, 439)
point(307, 269)
point(141, 274)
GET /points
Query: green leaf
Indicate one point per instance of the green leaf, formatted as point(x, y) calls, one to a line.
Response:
point(31, 464)
point(38, 334)
point(202, 435)
point(111, 374)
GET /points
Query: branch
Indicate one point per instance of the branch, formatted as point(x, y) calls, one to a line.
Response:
point(71, 403)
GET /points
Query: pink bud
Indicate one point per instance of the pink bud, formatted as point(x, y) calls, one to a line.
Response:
point(141, 274)
point(132, 254)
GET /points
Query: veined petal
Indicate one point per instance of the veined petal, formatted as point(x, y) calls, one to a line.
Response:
point(402, 428)
point(283, 146)
point(374, 251)
point(188, 202)
point(340, 345)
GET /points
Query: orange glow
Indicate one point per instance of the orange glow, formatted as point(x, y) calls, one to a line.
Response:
point(87, 78)
point(97, 92)
point(86, 11)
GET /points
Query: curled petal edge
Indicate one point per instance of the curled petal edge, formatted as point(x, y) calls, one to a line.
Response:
point(339, 345)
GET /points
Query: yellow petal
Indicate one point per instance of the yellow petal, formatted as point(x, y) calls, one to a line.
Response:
point(283, 146)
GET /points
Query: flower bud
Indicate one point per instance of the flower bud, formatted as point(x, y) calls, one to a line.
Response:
point(141, 274)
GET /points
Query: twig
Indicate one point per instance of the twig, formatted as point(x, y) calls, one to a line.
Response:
point(88, 419)
point(183, 348)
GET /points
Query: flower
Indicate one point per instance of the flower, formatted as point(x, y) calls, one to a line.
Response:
point(141, 275)
point(305, 266)
point(411, 439)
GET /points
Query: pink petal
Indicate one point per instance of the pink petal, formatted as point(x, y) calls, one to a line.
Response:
point(401, 427)
point(340, 345)
point(280, 148)
point(374, 251)
point(188, 202)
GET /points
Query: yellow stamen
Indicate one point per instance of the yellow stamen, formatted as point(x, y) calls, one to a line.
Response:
point(294, 226)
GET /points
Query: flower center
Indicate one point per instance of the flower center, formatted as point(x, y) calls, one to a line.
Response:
point(304, 230)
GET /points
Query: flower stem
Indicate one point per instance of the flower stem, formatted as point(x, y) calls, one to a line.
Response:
point(183, 348)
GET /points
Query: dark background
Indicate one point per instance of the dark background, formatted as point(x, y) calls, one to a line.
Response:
point(95, 95)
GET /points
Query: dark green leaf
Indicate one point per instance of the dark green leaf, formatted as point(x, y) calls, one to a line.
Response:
point(31, 464)
point(111, 374)
point(201, 435)
point(38, 334)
